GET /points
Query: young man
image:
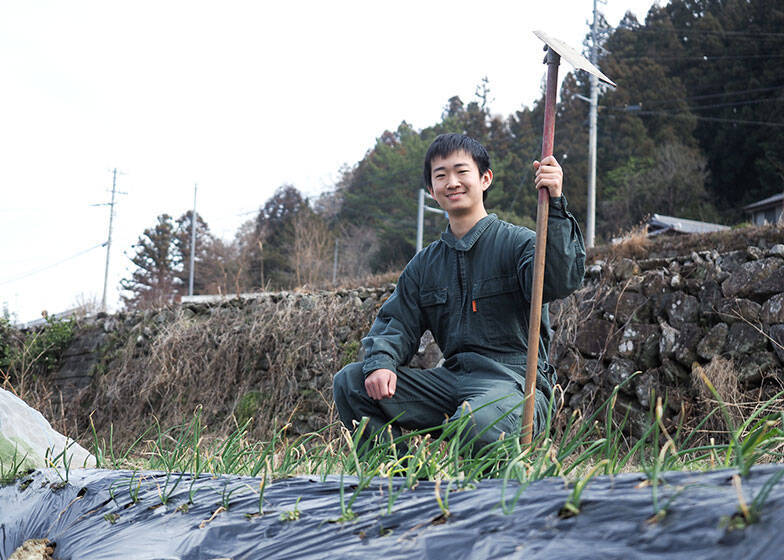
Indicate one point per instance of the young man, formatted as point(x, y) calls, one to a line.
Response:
point(471, 288)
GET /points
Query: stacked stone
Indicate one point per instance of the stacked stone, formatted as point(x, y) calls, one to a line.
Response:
point(650, 320)
point(660, 318)
point(100, 343)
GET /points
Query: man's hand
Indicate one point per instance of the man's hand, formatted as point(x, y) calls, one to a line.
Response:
point(381, 384)
point(550, 175)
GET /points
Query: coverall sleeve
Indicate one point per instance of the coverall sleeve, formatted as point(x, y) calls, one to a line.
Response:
point(394, 336)
point(564, 257)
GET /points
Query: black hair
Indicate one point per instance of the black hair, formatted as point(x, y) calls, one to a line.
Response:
point(447, 144)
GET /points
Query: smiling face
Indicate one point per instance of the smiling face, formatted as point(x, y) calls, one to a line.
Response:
point(457, 185)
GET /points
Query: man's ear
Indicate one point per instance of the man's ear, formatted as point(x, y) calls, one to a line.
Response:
point(486, 179)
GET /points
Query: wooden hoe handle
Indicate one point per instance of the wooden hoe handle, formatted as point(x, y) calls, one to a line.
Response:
point(542, 211)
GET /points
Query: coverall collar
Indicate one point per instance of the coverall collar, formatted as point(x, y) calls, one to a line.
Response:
point(467, 241)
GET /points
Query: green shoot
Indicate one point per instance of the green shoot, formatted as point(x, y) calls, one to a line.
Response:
point(12, 471)
point(572, 505)
point(292, 515)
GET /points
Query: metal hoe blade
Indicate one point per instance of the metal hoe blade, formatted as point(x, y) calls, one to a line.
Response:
point(572, 56)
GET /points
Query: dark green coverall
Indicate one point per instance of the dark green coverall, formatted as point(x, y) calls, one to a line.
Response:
point(473, 294)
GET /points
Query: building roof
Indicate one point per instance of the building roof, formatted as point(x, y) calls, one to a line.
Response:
point(770, 201)
point(659, 224)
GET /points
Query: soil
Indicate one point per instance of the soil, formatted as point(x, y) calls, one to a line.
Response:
point(34, 549)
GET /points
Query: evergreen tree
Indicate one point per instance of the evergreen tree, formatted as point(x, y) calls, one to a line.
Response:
point(382, 190)
point(686, 133)
point(156, 281)
point(272, 258)
point(721, 81)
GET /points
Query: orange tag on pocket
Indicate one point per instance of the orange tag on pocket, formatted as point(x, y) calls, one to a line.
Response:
point(473, 305)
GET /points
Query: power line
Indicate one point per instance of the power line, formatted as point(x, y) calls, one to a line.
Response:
point(712, 95)
point(31, 210)
point(733, 104)
point(58, 263)
point(704, 57)
point(637, 107)
point(749, 34)
point(691, 116)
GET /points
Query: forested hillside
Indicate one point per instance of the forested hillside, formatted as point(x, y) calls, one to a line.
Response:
point(695, 129)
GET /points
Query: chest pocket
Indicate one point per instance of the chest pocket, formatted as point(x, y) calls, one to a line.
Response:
point(433, 297)
point(433, 302)
point(498, 310)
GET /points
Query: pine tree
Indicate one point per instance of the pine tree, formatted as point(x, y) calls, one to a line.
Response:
point(272, 259)
point(156, 281)
point(382, 190)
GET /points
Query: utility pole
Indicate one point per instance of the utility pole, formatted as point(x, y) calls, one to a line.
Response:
point(591, 219)
point(421, 216)
point(335, 265)
point(193, 241)
point(109, 240)
point(420, 219)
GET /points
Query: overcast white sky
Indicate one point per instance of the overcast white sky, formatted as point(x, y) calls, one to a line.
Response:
point(239, 97)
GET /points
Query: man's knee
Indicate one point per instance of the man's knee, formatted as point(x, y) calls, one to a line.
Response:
point(348, 378)
point(345, 384)
point(486, 424)
point(544, 410)
point(503, 417)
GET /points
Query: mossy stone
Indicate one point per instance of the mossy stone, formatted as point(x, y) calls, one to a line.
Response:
point(248, 406)
point(350, 352)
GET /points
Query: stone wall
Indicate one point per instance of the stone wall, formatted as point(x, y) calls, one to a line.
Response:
point(655, 319)
point(96, 339)
point(662, 320)
point(270, 356)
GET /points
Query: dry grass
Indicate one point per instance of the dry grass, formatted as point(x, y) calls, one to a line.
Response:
point(737, 238)
point(633, 244)
point(285, 352)
point(723, 375)
point(738, 403)
point(370, 281)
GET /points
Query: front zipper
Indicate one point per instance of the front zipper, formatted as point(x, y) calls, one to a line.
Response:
point(463, 298)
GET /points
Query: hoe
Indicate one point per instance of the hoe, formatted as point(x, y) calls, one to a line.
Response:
point(555, 51)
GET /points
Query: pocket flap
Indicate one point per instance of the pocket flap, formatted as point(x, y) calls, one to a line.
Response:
point(433, 297)
point(494, 286)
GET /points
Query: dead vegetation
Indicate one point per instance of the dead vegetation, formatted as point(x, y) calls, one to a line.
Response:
point(34, 549)
point(667, 245)
point(272, 362)
point(723, 376)
point(633, 244)
point(738, 402)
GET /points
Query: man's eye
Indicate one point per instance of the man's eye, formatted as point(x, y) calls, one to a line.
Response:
point(464, 171)
point(440, 176)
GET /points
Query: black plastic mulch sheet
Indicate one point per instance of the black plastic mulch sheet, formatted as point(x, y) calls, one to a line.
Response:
point(94, 516)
